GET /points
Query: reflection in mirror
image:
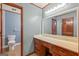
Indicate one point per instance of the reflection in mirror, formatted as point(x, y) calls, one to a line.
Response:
point(47, 26)
point(51, 28)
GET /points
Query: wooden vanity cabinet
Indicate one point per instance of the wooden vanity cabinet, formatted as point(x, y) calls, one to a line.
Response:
point(41, 46)
point(59, 51)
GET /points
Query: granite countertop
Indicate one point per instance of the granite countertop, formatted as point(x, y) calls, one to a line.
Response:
point(67, 42)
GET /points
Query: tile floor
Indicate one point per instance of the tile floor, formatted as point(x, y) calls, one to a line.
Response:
point(4, 54)
point(34, 54)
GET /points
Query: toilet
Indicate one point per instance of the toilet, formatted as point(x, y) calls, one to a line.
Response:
point(11, 44)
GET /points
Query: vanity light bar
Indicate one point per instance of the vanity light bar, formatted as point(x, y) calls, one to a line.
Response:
point(59, 6)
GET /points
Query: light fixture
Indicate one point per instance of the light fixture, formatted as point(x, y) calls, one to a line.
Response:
point(58, 6)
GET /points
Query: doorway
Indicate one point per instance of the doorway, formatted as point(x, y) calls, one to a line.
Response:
point(54, 28)
point(12, 18)
point(67, 26)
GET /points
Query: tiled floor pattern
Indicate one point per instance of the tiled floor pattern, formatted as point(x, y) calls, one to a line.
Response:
point(4, 54)
point(34, 54)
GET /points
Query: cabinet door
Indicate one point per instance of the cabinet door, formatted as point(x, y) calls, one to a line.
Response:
point(67, 26)
point(39, 48)
point(53, 26)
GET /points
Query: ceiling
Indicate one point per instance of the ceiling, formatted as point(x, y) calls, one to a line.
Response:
point(41, 5)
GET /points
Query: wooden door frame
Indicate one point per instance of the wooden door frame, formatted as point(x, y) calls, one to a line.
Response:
point(1, 28)
point(19, 7)
point(56, 25)
point(73, 24)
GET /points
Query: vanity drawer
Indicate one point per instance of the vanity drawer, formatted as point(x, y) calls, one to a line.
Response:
point(47, 45)
point(55, 54)
point(38, 44)
point(36, 41)
point(62, 51)
point(39, 47)
point(40, 52)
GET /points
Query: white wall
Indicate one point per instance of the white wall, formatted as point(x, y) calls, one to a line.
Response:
point(32, 25)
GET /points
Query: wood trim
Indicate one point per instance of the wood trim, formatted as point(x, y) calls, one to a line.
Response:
point(13, 5)
point(30, 53)
point(22, 32)
point(1, 31)
point(17, 6)
point(56, 24)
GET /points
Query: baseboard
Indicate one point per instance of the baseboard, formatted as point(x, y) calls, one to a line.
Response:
point(30, 53)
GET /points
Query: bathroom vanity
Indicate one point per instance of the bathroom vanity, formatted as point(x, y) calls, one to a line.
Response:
point(55, 45)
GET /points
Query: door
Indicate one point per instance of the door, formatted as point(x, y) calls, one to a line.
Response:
point(67, 26)
point(13, 25)
point(54, 24)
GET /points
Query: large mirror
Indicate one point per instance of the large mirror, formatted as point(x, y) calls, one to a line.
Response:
point(63, 24)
